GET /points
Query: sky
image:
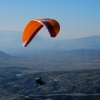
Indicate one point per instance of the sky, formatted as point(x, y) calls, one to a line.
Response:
point(77, 18)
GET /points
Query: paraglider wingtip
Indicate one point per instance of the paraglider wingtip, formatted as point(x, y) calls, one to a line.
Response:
point(23, 45)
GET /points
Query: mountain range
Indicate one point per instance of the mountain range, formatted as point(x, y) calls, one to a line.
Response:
point(4, 55)
point(10, 43)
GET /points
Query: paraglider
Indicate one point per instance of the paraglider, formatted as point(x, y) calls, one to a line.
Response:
point(34, 26)
point(32, 29)
point(39, 80)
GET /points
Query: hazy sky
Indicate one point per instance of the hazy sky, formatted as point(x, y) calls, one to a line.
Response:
point(77, 18)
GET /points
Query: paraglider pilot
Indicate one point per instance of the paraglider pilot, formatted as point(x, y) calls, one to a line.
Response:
point(39, 80)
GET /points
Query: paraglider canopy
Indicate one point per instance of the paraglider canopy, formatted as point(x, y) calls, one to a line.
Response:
point(34, 26)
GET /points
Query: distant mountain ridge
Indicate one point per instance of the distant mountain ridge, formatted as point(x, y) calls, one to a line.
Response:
point(10, 43)
point(4, 55)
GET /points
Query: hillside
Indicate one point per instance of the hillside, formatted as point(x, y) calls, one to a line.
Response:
point(79, 83)
point(4, 55)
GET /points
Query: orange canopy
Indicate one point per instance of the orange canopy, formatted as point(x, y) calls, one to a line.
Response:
point(34, 26)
